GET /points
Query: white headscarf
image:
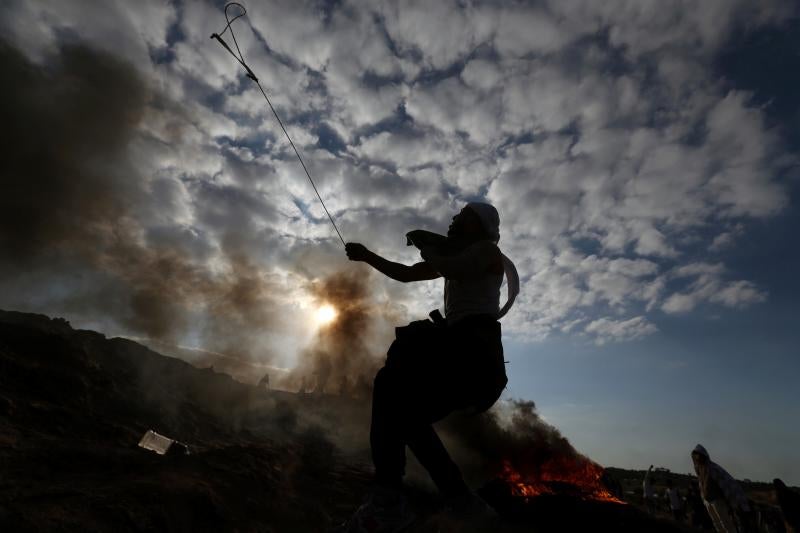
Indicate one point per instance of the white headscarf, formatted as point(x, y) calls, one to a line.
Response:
point(700, 449)
point(490, 219)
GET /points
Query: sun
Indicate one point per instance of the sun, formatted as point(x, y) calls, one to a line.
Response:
point(325, 315)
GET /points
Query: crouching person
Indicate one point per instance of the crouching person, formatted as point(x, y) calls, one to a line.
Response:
point(436, 367)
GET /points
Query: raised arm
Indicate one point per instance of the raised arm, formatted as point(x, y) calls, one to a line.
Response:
point(397, 271)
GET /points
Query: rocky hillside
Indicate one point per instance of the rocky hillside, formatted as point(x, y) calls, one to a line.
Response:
point(74, 405)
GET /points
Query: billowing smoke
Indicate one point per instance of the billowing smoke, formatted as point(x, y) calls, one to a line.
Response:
point(73, 236)
point(347, 352)
point(350, 350)
point(71, 228)
point(66, 173)
point(512, 432)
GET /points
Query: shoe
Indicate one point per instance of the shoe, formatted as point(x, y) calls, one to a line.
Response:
point(383, 512)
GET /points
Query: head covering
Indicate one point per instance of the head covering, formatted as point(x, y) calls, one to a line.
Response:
point(701, 450)
point(490, 219)
point(719, 477)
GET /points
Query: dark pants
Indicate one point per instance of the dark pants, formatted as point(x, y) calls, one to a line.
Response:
point(431, 371)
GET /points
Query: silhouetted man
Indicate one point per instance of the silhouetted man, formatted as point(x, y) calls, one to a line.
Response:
point(436, 367)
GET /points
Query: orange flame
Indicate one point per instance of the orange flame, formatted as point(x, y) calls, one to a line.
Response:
point(581, 477)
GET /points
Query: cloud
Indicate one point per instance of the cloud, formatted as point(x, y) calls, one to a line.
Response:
point(606, 329)
point(705, 285)
point(416, 29)
point(132, 33)
point(726, 238)
point(739, 140)
point(604, 136)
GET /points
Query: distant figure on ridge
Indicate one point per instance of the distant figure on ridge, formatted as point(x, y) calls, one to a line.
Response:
point(648, 494)
point(674, 499)
point(436, 367)
point(723, 496)
point(264, 382)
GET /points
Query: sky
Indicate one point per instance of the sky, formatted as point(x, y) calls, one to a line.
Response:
point(643, 156)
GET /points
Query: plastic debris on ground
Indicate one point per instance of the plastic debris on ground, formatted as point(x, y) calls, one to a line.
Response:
point(162, 445)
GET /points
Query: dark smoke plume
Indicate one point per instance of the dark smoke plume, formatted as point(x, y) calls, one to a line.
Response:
point(74, 202)
point(346, 354)
point(65, 157)
point(511, 432)
point(352, 348)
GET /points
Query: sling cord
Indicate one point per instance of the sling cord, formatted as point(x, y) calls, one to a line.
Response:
point(240, 58)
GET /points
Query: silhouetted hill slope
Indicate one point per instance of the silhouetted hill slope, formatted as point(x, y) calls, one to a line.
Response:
point(73, 406)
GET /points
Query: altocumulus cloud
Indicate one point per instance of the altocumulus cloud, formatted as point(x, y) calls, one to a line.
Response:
point(598, 129)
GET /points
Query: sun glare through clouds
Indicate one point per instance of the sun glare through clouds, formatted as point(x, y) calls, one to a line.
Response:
point(325, 315)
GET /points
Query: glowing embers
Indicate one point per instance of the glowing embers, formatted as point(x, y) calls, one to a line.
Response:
point(325, 314)
point(577, 477)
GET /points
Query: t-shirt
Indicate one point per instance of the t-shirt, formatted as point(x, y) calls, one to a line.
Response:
point(475, 291)
point(472, 296)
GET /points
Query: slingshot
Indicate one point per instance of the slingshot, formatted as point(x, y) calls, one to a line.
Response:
point(240, 58)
